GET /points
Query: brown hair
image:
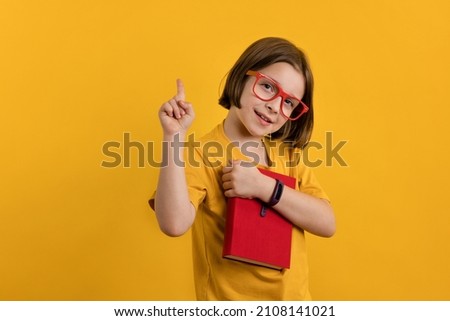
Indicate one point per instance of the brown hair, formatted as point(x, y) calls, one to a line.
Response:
point(260, 54)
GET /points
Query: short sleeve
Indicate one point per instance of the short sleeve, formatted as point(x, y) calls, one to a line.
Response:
point(308, 183)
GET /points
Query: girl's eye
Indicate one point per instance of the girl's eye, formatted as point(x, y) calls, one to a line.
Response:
point(289, 103)
point(268, 87)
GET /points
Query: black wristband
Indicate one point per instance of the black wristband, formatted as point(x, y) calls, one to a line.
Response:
point(277, 192)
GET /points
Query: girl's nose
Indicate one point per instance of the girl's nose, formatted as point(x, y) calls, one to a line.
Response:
point(274, 105)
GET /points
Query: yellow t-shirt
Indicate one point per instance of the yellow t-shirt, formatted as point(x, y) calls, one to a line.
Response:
point(217, 278)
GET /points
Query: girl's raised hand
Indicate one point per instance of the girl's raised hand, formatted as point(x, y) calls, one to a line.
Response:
point(176, 115)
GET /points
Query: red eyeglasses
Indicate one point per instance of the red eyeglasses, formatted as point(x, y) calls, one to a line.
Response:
point(267, 89)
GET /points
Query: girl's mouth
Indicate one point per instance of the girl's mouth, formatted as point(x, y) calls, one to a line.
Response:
point(263, 117)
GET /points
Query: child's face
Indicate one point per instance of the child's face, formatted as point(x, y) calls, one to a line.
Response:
point(264, 117)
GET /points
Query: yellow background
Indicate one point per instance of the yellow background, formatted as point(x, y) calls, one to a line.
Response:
point(77, 74)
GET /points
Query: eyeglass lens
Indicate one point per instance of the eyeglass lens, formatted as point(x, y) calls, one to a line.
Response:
point(266, 89)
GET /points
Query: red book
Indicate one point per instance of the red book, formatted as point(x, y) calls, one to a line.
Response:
point(253, 238)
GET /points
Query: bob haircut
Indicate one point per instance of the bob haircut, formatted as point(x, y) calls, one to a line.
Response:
point(260, 54)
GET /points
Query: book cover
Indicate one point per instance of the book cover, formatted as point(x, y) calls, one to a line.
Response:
point(254, 238)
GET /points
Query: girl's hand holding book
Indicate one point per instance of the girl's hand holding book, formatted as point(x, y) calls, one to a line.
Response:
point(241, 179)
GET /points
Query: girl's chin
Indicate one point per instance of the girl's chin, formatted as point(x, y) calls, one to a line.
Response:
point(259, 132)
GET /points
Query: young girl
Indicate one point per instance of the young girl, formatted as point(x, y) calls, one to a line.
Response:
point(268, 93)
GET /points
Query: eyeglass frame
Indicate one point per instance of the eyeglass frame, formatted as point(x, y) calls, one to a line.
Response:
point(281, 93)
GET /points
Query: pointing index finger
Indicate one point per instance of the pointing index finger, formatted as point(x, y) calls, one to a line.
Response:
point(180, 90)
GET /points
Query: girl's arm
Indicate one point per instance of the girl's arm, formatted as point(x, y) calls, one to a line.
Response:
point(305, 211)
point(312, 214)
point(174, 211)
